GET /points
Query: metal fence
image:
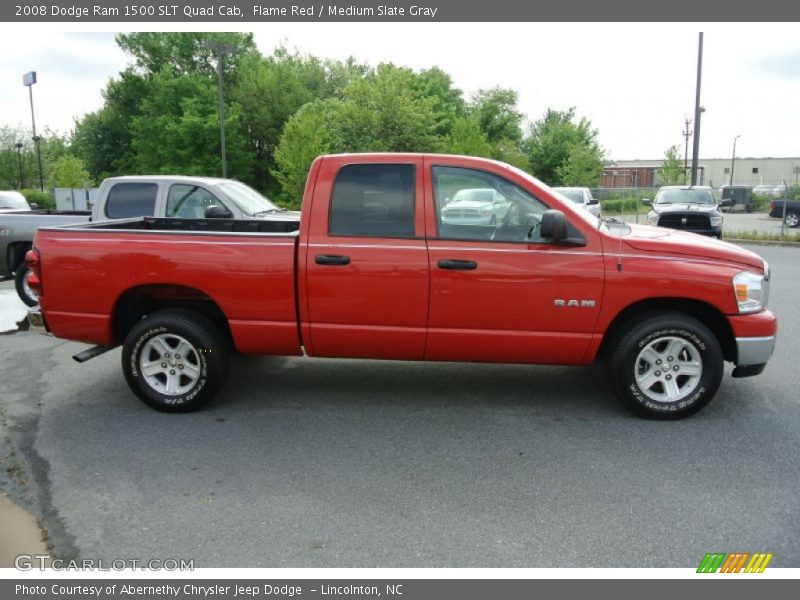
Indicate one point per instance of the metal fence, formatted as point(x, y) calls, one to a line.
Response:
point(75, 198)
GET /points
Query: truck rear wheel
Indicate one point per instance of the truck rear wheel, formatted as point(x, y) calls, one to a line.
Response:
point(25, 293)
point(175, 360)
point(665, 365)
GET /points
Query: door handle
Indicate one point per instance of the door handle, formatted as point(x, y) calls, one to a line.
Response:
point(458, 265)
point(331, 259)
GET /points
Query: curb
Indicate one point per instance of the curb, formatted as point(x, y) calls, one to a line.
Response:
point(785, 243)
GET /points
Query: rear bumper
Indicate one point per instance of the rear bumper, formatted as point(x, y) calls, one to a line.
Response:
point(36, 320)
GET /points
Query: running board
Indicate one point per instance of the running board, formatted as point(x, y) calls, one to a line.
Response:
point(90, 353)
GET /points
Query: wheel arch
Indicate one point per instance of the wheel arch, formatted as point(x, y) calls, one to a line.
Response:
point(15, 255)
point(137, 302)
point(702, 311)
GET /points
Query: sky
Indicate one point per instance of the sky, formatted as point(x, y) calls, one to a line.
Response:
point(635, 82)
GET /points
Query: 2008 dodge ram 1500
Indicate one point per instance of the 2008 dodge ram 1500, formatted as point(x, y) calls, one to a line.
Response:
point(372, 270)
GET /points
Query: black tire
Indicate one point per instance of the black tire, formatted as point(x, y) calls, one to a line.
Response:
point(792, 219)
point(20, 281)
point(195, 377)
point(633, 354)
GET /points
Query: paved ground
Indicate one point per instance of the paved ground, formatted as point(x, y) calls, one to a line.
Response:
point(738, 222)
point(345, 463)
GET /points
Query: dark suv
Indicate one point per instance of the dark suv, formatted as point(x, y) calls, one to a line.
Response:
point(686, 208)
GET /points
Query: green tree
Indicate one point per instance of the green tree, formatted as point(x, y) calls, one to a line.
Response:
point(497, 114)
point(555, 141)
point(671, 171)
point(305, 137)
point(69, 171)
point(178, 129)
point(583, 167)
point(269, 91)
point(467, 138)
point(185, 52)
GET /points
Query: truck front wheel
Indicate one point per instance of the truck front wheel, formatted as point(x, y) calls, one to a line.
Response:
point(665, 365)
point(175, 360)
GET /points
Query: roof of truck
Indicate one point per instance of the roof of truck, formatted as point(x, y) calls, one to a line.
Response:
point(187, 178)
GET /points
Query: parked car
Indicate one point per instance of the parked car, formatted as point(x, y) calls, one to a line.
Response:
point(370, 270)
point(689, 208)
point(792, 218)
point(479, 206)
point(127, 197)
point(12, 200)
point(581, 196)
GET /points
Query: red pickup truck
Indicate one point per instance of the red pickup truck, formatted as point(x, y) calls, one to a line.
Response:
point(384, 264)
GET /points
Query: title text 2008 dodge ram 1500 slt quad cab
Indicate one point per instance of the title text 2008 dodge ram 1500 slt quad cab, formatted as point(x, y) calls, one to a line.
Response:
point(372, 270)
point(130, 196)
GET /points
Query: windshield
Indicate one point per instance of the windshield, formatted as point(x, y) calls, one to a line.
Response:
point(474, 195)
point(246, 199)
point(685, 196)
point(12, 200)
point(575, 195)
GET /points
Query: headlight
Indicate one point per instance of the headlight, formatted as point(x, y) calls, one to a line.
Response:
point(751, 291)
point(652, 218)
point(716, 221)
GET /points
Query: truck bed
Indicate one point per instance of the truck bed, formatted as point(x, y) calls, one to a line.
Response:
point(243, 269)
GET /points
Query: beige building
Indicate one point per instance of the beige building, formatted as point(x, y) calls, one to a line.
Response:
point(715, 172)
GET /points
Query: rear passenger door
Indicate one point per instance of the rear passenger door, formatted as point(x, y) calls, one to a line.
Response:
point(366, 262)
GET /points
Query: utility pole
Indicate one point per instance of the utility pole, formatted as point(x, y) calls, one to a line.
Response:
point(686, 134)
point(733, 157)
point(697, 110)
point(220, 50)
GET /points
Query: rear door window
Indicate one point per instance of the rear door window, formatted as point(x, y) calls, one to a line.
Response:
point(128, 200)
point(373, 200)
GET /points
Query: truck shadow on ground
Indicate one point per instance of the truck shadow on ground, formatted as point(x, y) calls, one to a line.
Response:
point(331, 383)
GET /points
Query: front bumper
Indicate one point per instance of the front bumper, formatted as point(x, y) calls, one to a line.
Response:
point(36, 320)
point(754, 350)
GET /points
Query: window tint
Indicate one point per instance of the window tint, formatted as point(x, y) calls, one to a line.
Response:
point(127, 200)
point(374, 201)
point(475, 205)
point(189, 201)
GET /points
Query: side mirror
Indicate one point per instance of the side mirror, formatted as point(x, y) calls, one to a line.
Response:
point(726, 202)
point(554, 225)
point(647, 201)
point(215, 211)
point(593, 201)
point(34, 205)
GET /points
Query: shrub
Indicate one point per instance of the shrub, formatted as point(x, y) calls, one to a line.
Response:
point(42, 199)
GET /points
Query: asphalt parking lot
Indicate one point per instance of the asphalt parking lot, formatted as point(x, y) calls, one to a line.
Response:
point(333, 463)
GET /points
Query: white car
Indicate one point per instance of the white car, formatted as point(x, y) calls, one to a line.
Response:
point(476, 206)
point(11, 200)
point(581, 196)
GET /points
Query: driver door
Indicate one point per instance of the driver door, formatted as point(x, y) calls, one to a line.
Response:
point(496, 290)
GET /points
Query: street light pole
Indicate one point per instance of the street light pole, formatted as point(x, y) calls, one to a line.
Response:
point(220, 50)
point(18, 145)
point(733, 157)
point(697, 110)
point(28, 80)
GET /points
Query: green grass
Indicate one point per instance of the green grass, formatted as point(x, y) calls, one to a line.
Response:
point(759, 236)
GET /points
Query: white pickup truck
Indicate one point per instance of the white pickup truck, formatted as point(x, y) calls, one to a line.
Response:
point(173, 196)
